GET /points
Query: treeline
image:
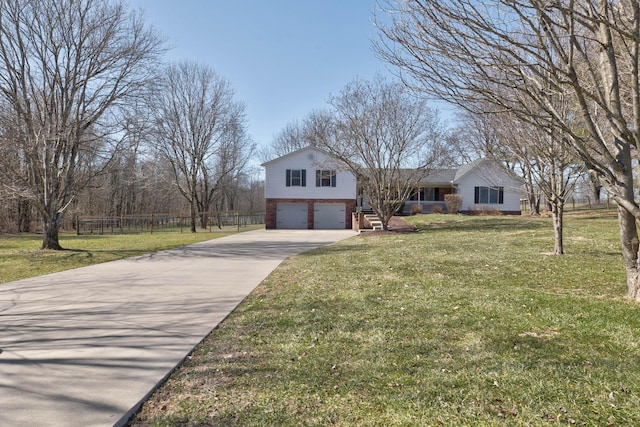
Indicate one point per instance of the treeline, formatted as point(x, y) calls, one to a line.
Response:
point(134, 186)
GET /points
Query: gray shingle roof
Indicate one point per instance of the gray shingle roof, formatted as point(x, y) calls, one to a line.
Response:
point(440, 176)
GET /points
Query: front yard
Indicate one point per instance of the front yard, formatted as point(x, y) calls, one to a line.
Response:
point(470, 321)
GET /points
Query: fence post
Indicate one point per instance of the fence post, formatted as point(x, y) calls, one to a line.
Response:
point(151, 223)
point(77, 225)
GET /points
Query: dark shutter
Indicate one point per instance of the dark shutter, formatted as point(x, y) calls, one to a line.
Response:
point(501, 195)
point(318, 178)
point(304, 177)
point(333, 178)
point(288, 178)
point(477, 195)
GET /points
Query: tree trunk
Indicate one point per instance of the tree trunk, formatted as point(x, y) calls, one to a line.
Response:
point(194, 214)
point(204, 220)
point(24, 216)
point(51, 224)
point(596, 189)
point(534, 204)
point(629, 243)
point(557, 214)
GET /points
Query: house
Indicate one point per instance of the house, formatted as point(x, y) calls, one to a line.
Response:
point(483, 185)
point(308, 189)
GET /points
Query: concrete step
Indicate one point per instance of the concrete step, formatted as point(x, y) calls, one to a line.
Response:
point(374, 220)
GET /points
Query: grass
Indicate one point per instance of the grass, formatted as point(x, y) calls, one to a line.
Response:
point(467, 322)
point(20, 256)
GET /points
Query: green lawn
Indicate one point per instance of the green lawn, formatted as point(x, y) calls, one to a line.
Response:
point(20, 256)
point(470, 321)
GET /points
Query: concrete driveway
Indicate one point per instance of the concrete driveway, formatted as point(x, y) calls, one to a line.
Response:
point(84, 347)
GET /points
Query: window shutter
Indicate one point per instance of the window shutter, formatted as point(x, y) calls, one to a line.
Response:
point(318, 178)
point(288, 178)
point(501, 195)
point(304, 177)
point(333, 178)
point(477, 195)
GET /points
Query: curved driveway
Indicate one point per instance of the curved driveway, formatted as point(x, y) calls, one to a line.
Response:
point(84, 347)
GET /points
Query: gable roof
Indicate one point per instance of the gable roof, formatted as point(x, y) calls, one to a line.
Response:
point(465, 169)
point(454, 176)
point(481, 162)
point(296, 152)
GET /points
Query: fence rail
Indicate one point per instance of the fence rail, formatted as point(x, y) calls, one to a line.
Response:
point(151, 223)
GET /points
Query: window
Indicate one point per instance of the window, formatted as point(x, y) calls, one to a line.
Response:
point(296, 177)
point(325, 178)
point(428, 194)
point(489, 195)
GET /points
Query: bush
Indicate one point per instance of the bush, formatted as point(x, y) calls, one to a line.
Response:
point(453, 202)
point(436, 209)
point(416, 209)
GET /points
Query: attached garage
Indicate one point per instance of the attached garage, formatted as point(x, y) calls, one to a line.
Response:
point(329, 216)
point(291, 216)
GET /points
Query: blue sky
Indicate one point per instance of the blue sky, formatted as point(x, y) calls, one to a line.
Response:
point(283, 57)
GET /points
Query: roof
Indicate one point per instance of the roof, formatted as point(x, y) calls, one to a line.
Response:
point(465, 169)
point(435, 177)
point(440, 176)
point(296, 152)
point(452, 176)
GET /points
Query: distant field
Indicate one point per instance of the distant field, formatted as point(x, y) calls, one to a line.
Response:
point(20, 256)
point(467, 322)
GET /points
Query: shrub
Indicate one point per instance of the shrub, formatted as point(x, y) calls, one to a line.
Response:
point(416, 209)
point(453, 202)
point(436, 209)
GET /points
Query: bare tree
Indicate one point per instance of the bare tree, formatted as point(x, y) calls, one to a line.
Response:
point(196, 119)
point(67, 69)
point(551, 168)
point(222, 171)
point(289, 139)
point(387, 137)
point(524, 53)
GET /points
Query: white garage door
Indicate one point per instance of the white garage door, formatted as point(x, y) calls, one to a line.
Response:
point(291, 216)
point(329, 216)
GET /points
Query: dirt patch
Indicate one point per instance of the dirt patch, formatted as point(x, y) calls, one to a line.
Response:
point(396, 225)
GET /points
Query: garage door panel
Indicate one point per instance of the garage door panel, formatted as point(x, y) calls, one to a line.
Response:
point(291, 216)
point(329, 216)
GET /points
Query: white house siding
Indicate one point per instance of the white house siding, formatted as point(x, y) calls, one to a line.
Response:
point(327, 207)
point(311, 160)
point(487, 175)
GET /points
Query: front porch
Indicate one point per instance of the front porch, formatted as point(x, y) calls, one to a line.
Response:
point(430, 199)
point(425, 199)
